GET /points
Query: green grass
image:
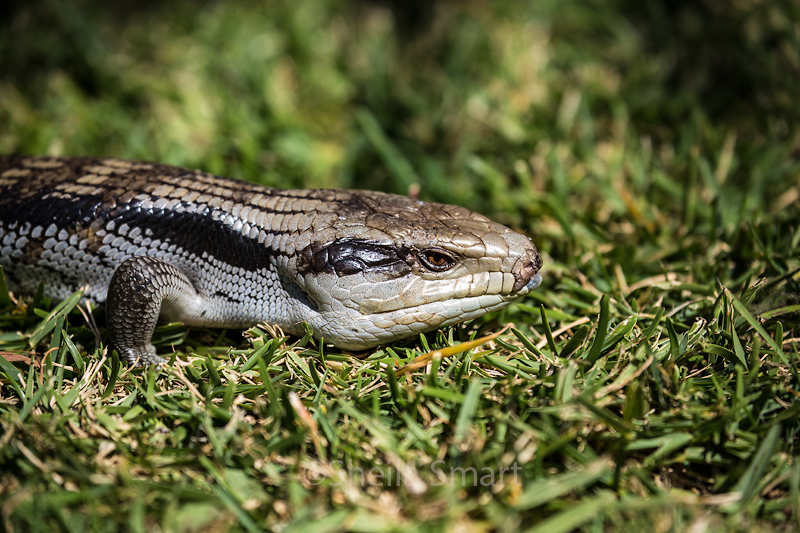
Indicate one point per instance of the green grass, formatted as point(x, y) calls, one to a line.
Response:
point(650, 151)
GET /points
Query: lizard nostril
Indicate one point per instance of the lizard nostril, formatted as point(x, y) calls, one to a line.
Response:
point(526, 268)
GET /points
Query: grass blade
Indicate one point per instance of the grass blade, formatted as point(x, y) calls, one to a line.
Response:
point(468, 409)
point(601, 331)
point(549, 489)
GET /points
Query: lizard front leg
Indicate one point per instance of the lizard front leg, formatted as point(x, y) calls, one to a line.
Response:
point(139, 288)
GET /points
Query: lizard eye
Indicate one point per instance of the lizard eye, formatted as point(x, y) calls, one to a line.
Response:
point(437, 259)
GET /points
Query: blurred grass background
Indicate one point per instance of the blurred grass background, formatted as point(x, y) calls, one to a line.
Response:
point(651, 149)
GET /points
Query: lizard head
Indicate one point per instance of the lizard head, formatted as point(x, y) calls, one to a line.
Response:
point(383, 267)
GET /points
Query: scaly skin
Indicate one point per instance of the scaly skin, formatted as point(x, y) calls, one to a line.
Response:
point(360, 268)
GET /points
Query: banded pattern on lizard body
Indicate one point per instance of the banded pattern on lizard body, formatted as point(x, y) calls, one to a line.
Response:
point(360, 268)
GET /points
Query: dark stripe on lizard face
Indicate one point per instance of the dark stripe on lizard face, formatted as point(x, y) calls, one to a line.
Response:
point(347, 256)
